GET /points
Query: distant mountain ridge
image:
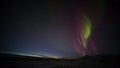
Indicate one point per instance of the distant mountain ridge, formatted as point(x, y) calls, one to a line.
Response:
point(98, 61)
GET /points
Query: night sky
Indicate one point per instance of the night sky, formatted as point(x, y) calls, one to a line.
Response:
point(59, 29)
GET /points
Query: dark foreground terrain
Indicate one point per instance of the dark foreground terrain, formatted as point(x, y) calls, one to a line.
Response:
point(99, 61)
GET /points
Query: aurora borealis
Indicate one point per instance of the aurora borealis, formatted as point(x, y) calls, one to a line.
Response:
point(82, 34)
point(58, 29)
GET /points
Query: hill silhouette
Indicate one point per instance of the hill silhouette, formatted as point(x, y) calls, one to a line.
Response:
point(98, 61)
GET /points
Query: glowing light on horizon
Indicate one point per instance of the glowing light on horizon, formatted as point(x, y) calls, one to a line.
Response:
point(32, 55)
